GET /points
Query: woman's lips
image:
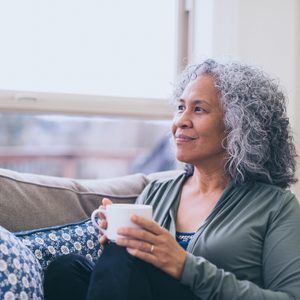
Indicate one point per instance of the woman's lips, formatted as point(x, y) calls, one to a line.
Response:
point(181, 138)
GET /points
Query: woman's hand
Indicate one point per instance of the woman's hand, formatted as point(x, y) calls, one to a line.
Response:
point(103, 223)
point(153, 244)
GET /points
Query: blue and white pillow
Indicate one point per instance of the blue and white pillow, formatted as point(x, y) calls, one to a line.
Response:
point(20, 272)
point(48, 243)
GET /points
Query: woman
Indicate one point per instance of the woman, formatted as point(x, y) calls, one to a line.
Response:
point(227, 228)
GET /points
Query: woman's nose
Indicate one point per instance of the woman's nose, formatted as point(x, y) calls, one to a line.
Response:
point(183, 120)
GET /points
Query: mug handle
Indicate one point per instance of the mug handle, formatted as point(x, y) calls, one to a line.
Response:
point(93, 216)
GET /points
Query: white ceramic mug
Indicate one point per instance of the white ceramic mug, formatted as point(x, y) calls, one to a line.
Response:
point(118, 215)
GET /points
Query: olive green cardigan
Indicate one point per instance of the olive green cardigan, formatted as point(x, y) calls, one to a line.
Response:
point(248, 247)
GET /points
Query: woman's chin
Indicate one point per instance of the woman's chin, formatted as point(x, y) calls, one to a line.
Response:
point(183, 159)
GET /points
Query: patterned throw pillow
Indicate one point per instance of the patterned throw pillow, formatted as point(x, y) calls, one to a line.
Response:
point(48, 243)
point(20, 272)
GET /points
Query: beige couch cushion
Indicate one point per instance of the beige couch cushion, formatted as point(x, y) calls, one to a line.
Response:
point(30, 201)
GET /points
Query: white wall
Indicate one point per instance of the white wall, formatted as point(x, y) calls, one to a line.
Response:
point(261, 32)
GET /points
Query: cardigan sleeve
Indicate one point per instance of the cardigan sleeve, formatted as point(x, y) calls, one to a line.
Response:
point(280, 261)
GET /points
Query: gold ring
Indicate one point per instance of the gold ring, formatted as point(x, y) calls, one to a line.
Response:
point(152, 248)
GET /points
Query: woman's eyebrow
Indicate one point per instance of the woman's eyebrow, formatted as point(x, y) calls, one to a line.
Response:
point(195, 102)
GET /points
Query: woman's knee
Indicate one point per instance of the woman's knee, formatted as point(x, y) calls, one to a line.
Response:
point(67, 277)
point(61, 263)
point(67, 266)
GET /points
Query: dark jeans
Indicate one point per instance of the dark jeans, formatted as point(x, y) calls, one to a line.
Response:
point(116, 275)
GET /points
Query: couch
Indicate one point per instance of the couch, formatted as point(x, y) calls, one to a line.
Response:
point(42, 217)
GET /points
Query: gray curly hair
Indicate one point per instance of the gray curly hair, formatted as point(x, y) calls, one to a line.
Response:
point(259, 142)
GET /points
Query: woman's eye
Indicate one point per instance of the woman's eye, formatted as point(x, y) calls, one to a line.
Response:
point(180, 108)
point(198, 109)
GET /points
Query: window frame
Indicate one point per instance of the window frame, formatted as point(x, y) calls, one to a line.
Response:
point(148, 108)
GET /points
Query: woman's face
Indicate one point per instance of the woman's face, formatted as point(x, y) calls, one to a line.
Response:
point(198, 127)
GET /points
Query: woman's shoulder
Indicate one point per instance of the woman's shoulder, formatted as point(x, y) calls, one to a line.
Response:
point(273, 189)
point(261, 201)
point(272, 194)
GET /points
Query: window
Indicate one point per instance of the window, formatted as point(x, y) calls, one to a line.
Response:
point(81, 78)
point(89, 47)
point(84, 147)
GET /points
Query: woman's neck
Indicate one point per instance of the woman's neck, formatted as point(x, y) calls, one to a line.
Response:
point(209, 181)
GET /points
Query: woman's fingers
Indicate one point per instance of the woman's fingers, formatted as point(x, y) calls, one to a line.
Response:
point(148, 257)
point(147, 224)
point(136, 244)
point(137, 234)
point(103, 240)
point(154, 245)
point(106, 201)
point(102, 215)
point(148, 232)
point(103, 224)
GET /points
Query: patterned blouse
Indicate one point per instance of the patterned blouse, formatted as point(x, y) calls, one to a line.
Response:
point(183, 238)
